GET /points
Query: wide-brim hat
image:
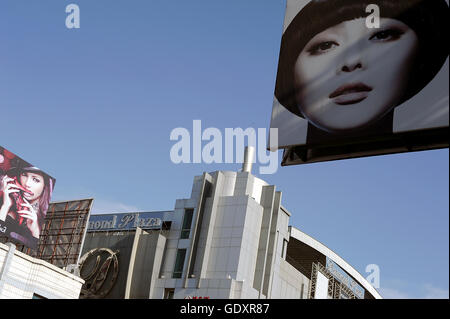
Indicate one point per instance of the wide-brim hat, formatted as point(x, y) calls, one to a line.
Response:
point(15, 171)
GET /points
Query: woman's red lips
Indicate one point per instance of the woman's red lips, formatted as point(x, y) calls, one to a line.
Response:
point(350, 88)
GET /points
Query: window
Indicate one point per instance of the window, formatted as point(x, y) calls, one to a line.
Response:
point(168, 293)
point(284, 248)
point(179, 263)
point(166, 225)
point(187, 221)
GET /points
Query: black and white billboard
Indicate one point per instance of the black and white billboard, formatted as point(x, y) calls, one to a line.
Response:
point(358, 78)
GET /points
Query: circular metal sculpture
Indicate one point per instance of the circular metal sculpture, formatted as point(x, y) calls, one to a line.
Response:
point(96, 270)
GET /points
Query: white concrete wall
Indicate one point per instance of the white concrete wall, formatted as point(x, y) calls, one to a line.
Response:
point(250, 240)
point(21, 276)
point(288, 283)
point(282, 233)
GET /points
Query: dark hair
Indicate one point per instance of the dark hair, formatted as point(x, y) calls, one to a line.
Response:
point(428, 19)
point(44, 200)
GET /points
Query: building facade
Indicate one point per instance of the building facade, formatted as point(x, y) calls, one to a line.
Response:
point(230, 239)
point(26, 277)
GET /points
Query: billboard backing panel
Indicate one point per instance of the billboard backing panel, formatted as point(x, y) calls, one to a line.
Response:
point(64, 231)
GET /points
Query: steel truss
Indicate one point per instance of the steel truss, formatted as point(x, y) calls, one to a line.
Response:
point(335, 288)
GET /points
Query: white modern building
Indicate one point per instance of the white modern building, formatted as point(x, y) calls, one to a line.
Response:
point(25, 277)
point(231, 239)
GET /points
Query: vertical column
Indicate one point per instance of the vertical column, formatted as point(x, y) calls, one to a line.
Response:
point(196, 227)
point(157, 262)
point(267, 202)
point(134, 250)
point(210, 221)
point(6, 265)
point(271, 249)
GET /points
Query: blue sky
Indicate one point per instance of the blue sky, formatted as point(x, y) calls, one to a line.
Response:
point(94, 107)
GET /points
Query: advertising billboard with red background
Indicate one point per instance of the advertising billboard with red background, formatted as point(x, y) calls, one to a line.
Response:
point(25, 193)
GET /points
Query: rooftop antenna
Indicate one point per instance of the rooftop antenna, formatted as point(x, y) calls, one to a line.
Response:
point(249, 156)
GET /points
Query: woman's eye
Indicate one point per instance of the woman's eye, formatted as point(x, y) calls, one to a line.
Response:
point(386, 35)
point(322, 47)
point(36, 180)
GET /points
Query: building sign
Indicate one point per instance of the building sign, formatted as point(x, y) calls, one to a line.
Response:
point(127, 221)
point(99, 269)
point(340, 275)
point(347, 89)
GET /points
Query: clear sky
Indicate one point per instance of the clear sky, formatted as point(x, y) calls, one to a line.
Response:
point(94, 107)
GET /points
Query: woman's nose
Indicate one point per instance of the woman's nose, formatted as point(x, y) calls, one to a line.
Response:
point(350, 67)
point(28, 183)
point(352, 59)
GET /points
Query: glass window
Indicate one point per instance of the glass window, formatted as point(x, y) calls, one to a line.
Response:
point(187, 221)
point(179, 263)
point(168, 293)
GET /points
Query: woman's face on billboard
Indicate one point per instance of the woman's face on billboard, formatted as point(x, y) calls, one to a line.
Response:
point(349, 75)
point(34, 183)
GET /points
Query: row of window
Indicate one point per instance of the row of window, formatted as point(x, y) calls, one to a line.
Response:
point(187, 221)
point(185, 232)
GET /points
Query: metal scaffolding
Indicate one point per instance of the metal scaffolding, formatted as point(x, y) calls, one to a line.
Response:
point(62, 236)
point(336, 290)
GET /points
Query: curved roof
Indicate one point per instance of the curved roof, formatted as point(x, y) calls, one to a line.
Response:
point(308, 240)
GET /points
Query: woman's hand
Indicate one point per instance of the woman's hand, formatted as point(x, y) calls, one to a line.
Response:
point(31, 217)
point(8, 188)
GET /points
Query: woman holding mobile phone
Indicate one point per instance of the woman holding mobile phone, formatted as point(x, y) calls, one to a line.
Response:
point(24, 197)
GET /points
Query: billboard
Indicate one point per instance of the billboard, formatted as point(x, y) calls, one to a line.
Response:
point(361, 77)
point(25, 193)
